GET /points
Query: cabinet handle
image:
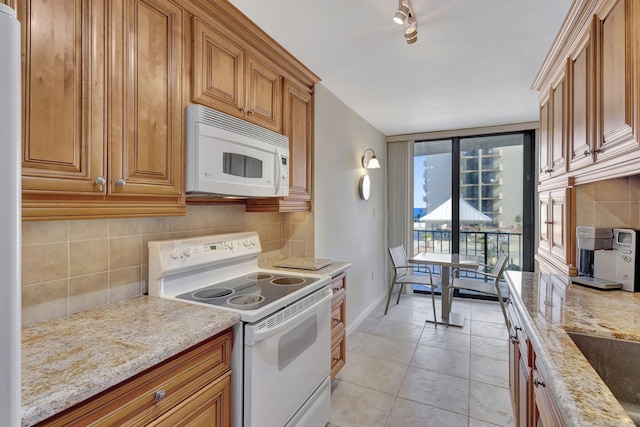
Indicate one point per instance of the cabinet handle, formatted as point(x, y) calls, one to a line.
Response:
point(335, 319)
point(121, 182)
point(250, 112)
point(548, 222)
point(514, 339)
point(160, 394)
point(242, 109)
point(518, 328)
point(537, 382)
point(100, 181)
point(336, 358)
point(587, 152)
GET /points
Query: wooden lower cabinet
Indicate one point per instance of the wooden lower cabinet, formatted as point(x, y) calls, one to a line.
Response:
point(546, 412)
point(338, 322)
point(192, 388)
point(532, 401)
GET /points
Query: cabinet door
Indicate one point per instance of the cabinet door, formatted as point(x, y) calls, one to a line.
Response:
point(218, 70)
point(557, 137)
point(145, 105)
point(544, 166)
point(618, 80)
point(63, 84)
point(559, 226)
point(582, 148)
point(543, 209)
point(298, 119)
point(264, 94)
point(546, 412)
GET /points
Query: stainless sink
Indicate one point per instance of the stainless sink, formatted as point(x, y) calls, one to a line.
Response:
point(618, 364)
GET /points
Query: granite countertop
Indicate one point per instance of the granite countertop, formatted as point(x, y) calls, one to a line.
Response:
point(550, 306)
point(67, 360)
point(332, 269)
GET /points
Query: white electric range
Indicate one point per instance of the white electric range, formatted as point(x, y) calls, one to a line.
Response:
point(281, 355)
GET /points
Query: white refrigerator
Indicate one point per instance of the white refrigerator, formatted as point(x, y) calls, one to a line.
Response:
point(10, 218)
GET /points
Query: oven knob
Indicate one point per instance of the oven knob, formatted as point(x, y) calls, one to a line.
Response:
point(175, 253)
point(187, 251)
point(246, 243)
point(230, 245)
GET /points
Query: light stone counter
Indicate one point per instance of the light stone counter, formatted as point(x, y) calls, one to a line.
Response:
point(67, 360)
point(549, 307)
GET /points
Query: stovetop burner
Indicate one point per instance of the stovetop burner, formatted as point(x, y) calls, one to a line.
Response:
point(212, 293)
point(250, 291)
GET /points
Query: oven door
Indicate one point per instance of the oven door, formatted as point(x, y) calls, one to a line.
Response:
point(286, 359)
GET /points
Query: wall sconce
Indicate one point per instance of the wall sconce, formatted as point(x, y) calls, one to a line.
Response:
point(372, 162)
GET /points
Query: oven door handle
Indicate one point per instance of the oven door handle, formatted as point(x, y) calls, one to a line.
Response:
point(258, 332)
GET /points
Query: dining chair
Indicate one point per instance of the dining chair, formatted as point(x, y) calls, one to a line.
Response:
point(490, 287)
point(403, 274)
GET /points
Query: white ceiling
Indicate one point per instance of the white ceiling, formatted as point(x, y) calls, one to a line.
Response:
point(473, 64)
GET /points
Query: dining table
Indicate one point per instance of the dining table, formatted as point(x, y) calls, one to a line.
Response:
point(446, 262)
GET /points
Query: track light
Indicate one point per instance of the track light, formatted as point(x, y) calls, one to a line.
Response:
point(404, 15)
point(411, 30)
point(401, 13)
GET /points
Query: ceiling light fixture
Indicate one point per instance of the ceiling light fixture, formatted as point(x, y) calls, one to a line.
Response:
point(405, 15)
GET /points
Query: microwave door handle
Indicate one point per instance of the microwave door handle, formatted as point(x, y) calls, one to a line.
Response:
point(278, 171)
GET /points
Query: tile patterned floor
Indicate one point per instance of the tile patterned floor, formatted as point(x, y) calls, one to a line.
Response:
point(403, 372)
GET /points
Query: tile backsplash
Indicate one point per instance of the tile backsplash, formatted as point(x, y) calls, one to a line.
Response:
point(68, 266)
point(612, 203)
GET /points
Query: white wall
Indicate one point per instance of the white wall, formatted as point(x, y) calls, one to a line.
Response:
point(346, 227)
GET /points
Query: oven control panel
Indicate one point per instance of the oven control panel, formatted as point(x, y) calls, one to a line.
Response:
point(174, 256)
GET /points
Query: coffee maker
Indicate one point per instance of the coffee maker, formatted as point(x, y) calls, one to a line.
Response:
point(597, 261)
point(627, 247)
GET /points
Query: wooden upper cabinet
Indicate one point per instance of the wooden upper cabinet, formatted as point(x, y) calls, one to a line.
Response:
point(581, 95)
point(544, 165)
point(62, 93)
point(145, 103)
point(557, 155)
point(102, 108)
point(553, 131)
point(227, 78)
point(298, 119)
point(618, 83)
point(298, 127)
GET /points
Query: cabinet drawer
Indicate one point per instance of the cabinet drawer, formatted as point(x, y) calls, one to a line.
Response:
point(338, 353)
point(134, 401)
point(210, 406)
point(338, 282)
point(337, 314)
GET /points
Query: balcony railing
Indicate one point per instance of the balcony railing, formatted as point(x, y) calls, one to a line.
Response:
point(484, 244)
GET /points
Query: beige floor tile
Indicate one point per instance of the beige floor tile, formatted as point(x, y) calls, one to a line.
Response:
point(489, 370)
point(400, 331)
point(388, 349)
point(356, 406)
point(374, 373)
point(449, 362)
point(490, 403)
point(489, 330)
point(436, 389)
point(444, 338)
point(406, 413)
point(483, 346)
point(356, 339)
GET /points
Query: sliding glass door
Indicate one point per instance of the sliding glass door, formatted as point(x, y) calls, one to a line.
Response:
point(491, 177)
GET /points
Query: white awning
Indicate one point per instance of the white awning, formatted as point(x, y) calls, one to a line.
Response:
point(467, 213)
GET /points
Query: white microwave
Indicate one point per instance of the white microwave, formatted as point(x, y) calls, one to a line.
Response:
point(229, 157)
